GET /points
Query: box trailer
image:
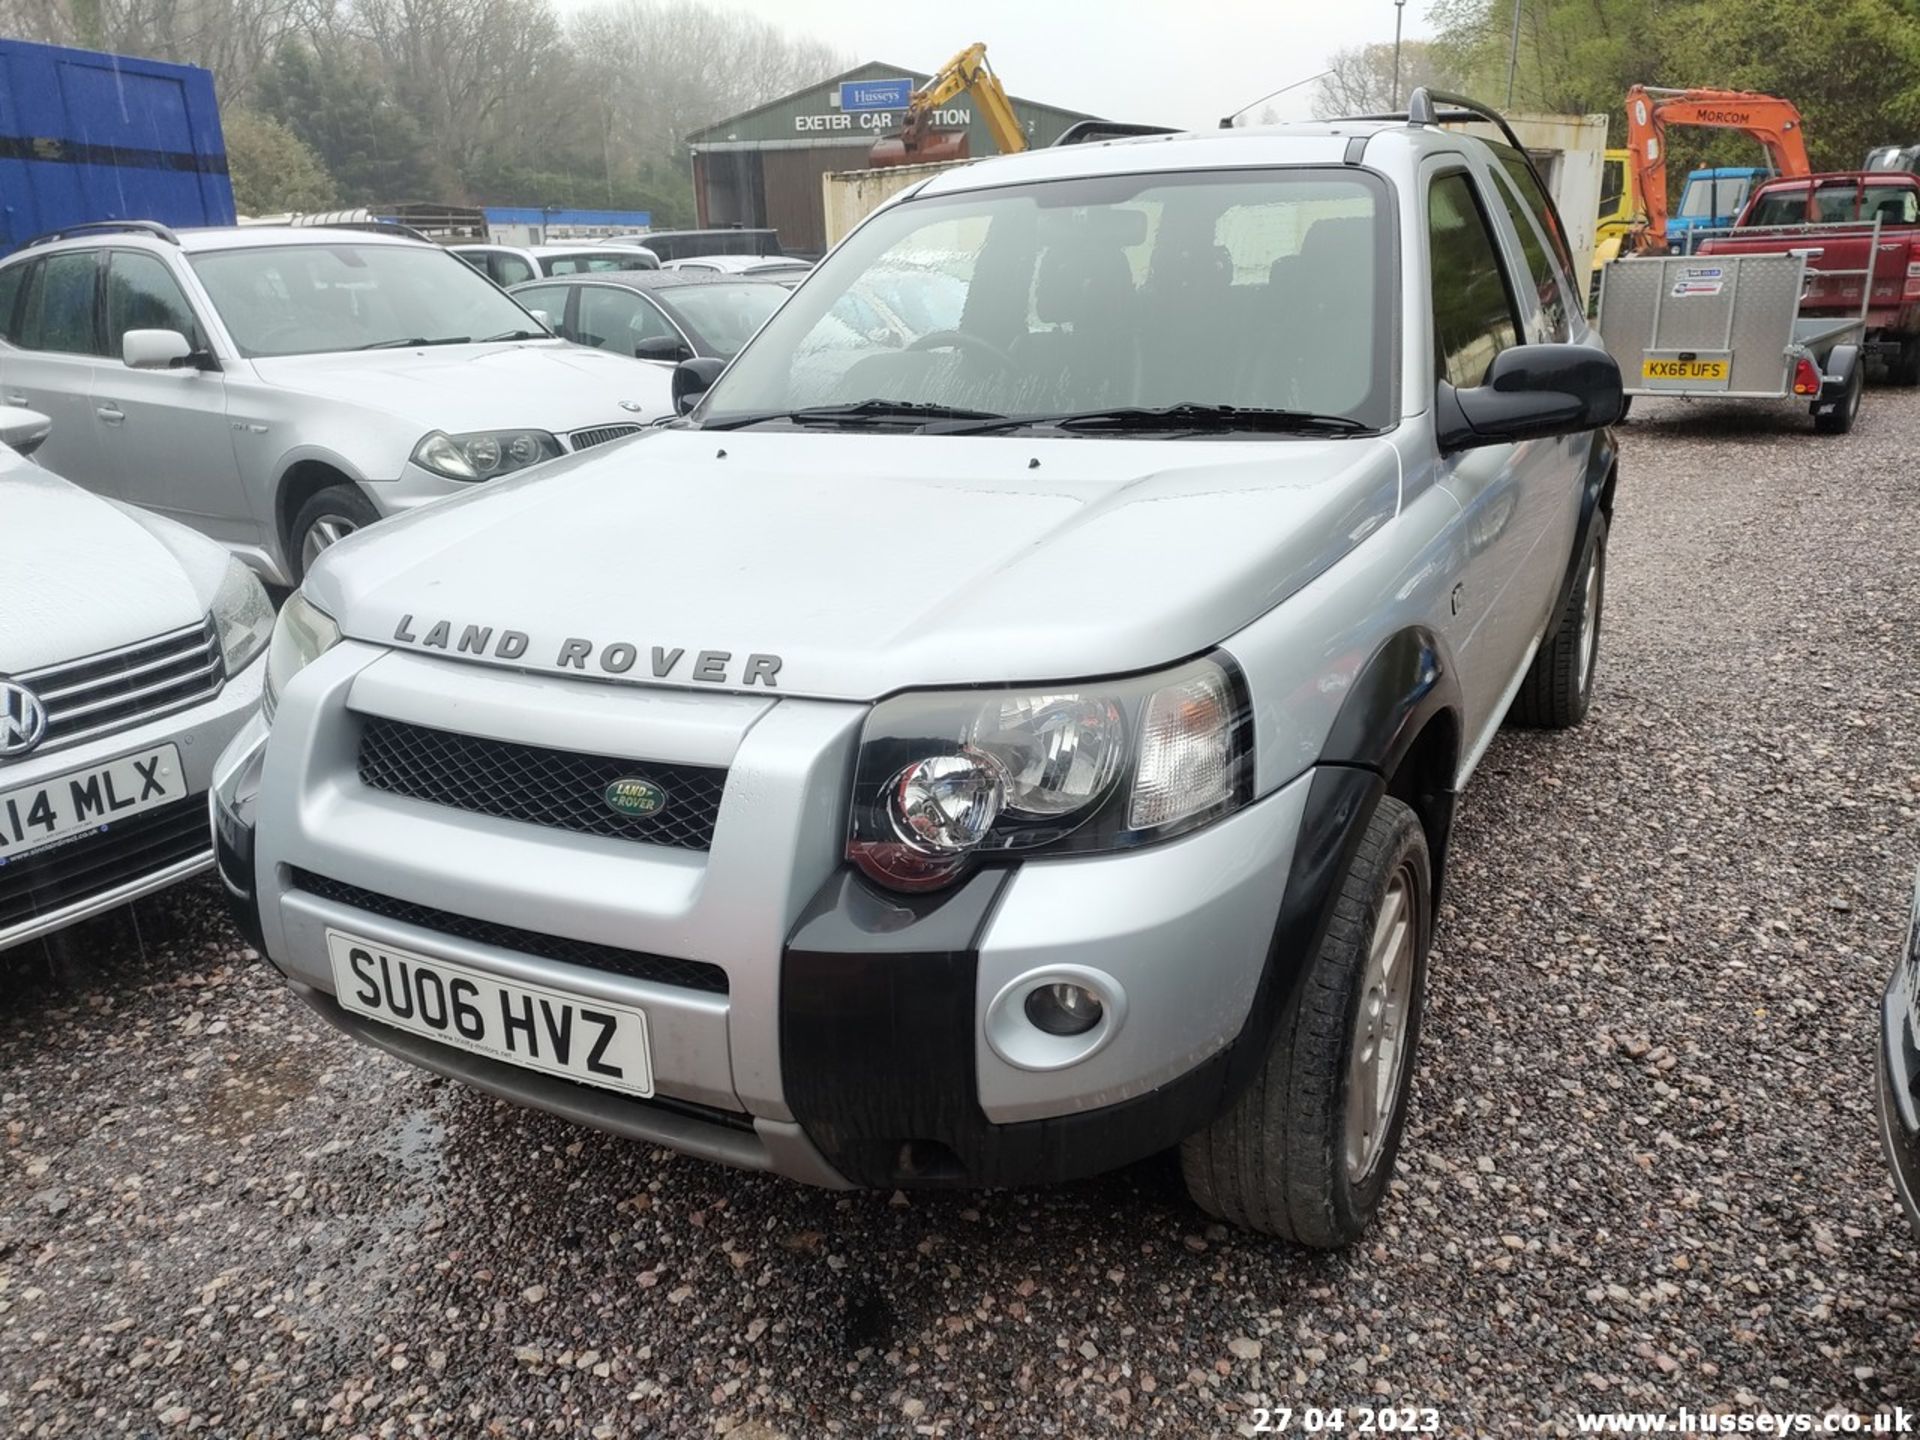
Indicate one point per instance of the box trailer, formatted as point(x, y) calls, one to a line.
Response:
point(86, 136)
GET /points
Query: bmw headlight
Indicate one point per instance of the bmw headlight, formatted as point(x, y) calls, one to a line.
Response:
point(484, 454)
point(945, 779)
point(243, 615)
point(301, 635)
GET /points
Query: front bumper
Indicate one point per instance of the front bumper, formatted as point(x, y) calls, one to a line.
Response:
point(1899, 1071)
point(122, 862)
point(859, 1036)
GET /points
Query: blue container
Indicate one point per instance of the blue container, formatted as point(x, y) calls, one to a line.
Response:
point(86, 136)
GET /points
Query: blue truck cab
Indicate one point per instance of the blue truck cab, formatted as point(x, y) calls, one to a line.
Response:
point(88, 137)
point(1712, 199)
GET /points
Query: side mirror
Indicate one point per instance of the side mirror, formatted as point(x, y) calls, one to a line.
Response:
point(1531, 391)
point(662, 347)
point(23, 431)
point(155, 349)
point(692, 379)
point(542, 316)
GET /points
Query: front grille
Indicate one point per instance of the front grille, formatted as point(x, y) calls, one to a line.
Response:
point(687, 974)
point(600, 435)
point(118, 854)
point(118, 689)
point(558, 789)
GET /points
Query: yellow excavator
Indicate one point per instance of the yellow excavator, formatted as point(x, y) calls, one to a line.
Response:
point(918, 143)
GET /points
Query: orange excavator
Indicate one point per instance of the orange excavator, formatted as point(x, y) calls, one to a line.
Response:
point(918, 143)
point(1773, 122)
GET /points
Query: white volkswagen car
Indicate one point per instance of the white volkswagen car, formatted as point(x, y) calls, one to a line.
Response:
point(130, 653)
point(276, 389)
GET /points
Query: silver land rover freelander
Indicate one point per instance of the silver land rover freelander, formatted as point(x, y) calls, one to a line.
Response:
point(994, 753)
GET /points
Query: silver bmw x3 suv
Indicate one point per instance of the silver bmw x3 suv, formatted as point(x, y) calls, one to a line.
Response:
point(991, 754)
point(278, 388)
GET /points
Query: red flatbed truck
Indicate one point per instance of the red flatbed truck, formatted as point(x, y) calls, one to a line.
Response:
point(1834, 219)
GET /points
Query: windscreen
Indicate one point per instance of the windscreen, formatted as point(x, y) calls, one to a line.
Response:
point(725, 316)
point(1715, 195)
point(1257, 289)
point(317, 299)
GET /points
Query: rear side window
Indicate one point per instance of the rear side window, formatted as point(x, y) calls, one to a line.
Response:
point(509, 269)
point(1836, 203)
point(60, 312)
point(1472, 308)
point(142, 295)
point(1546, 279)
point(10, 286)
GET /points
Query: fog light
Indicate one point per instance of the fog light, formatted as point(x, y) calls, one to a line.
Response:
point(1063, 1008)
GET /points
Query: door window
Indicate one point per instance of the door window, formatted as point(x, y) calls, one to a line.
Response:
point(1546, 279)
point(551, 301)
point(618, 320)
point(10, 287)
point(1520, 170)
point(1613, 186)
point(1472, 306)
point(60, 313)
point(142, 295)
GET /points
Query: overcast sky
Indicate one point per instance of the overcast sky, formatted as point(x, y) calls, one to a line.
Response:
point(1171, 62)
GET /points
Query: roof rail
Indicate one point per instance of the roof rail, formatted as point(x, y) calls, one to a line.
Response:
point(1421, 110)
point(372, 227)
point(1091, 132)
point(95, 227)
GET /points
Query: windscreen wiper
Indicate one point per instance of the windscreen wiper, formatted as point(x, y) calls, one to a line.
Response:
point(409, 342)
point(517, 335)
point(860, 412)
point(1185, 417)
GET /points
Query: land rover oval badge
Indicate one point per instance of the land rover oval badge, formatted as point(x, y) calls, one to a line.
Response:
point(634, 796)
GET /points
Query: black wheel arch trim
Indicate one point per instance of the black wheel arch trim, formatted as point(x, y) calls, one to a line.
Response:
point(1596, 498)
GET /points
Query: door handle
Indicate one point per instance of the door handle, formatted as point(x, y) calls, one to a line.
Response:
point(110, 413)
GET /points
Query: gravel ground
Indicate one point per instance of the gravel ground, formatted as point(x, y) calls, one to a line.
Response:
point(1641, 1173)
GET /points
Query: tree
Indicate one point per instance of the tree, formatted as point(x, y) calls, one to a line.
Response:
point(336, 104)
point(1853, 68)
point(1360, 79)
point(272, 169)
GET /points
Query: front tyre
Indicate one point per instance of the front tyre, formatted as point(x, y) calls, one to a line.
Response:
point(1559, 686)
point(1307, 1151)
point(328, 517)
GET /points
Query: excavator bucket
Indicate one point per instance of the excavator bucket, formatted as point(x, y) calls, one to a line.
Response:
point(925, 148)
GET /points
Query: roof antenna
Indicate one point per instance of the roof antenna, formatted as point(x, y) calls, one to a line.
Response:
point(1226, 121)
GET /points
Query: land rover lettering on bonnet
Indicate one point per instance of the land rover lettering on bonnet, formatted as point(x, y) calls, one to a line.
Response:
point(1130, 612)
point(710, 667)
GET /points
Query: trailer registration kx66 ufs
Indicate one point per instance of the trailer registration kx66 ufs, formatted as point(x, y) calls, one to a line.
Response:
point(992, 746)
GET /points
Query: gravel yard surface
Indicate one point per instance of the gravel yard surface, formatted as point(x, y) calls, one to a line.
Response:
point(1641, 1173)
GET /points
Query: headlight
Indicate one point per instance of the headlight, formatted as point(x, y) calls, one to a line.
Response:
point(243, 615)
point(301, 636)
point(484, 454)
point(947, 778)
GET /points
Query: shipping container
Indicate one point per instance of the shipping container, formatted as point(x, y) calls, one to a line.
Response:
point(87, 137)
